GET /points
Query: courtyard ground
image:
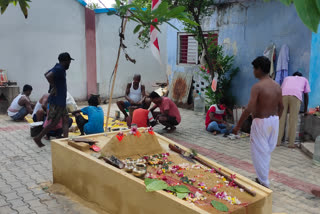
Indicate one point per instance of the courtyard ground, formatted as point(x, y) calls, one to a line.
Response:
point(23, 167)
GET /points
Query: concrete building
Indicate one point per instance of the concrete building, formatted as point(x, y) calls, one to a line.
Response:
point(30, 47)
point(245, 28)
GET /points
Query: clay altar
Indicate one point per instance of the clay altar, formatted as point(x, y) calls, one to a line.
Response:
point(116, 191)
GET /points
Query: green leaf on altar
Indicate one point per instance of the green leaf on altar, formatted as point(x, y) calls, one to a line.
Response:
point(181, 189)
point(182, 195)
point(219, 206)
point(155, 185)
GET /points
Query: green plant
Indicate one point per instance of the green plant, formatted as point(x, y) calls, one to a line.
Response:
point(24, 5)
point(141, 13)
point(224, 68)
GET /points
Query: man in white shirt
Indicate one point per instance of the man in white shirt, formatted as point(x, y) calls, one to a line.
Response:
point(135, 96)
point(21, 105)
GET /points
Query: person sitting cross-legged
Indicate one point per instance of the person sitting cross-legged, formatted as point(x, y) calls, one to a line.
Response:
point(95, 122)
point(215, 119)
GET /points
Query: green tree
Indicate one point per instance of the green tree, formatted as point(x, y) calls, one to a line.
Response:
point(24, 5)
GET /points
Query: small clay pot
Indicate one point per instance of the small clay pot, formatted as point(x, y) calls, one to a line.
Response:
point(140, 170)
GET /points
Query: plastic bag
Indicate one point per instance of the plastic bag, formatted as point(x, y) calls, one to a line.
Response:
point(71, 103)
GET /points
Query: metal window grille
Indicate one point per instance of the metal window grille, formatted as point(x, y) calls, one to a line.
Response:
point(187, 49)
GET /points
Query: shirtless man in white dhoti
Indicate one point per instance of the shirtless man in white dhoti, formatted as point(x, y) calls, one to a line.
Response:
point(266, 106)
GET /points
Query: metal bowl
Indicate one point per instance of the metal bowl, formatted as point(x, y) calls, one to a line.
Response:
point(140, 170)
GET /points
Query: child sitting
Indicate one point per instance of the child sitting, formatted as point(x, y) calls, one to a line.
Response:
point(95, 121)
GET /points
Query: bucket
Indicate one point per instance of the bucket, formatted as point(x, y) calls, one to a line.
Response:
point(36, 128)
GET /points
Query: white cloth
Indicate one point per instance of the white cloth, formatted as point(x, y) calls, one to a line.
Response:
point(264, 136)
point(269, 53)
point(14, 108)
point(135, 95)
point(36, 108)
point(218, 110)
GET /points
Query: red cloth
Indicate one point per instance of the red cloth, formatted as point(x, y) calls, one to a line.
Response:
point(217, 116)
point(140, 117)
point(169, 105)
point(58, 126)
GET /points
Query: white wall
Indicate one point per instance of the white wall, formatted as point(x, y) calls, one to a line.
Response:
point(30, 47)
point(107, 36)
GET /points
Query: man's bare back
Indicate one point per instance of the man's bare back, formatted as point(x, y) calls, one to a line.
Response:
point(268, 100)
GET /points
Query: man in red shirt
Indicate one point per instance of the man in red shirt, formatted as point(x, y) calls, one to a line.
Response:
point(215, 119)
point(169, 114)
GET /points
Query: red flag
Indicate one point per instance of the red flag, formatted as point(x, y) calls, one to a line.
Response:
point(154, 34)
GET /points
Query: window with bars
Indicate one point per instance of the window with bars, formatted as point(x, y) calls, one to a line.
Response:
point(188, 47)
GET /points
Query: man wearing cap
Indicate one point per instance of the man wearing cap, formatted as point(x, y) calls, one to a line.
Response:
point(57, 99)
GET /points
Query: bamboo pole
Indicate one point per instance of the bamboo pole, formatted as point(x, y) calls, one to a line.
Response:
point(123, 26)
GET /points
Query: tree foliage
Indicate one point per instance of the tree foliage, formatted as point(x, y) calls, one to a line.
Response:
point(308, 11)
point(141, 13)
point(224, 68)
point(24, 5)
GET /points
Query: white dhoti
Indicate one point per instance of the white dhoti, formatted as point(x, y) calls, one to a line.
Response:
point(264, 136)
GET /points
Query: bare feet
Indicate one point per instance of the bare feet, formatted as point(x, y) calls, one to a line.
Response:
point(316, 192)
point(278, 145)
point(38, 142)
point(214, 133)
point(292, 147)
point(172, 129)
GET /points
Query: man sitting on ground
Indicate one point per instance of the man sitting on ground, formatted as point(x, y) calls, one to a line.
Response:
point(21, 105)
point(40, 109)
point(135, 95)
point(215, 119)
point(143, 118)
point(95, 121)
point(169, 114)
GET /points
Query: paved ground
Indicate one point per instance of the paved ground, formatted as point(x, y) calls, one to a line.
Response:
point(23, 166)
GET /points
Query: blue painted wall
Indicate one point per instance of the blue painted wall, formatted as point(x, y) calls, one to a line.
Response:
point(245, 30)
point(314, 75)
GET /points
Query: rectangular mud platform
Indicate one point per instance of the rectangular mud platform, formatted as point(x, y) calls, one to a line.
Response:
point(118, 192)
